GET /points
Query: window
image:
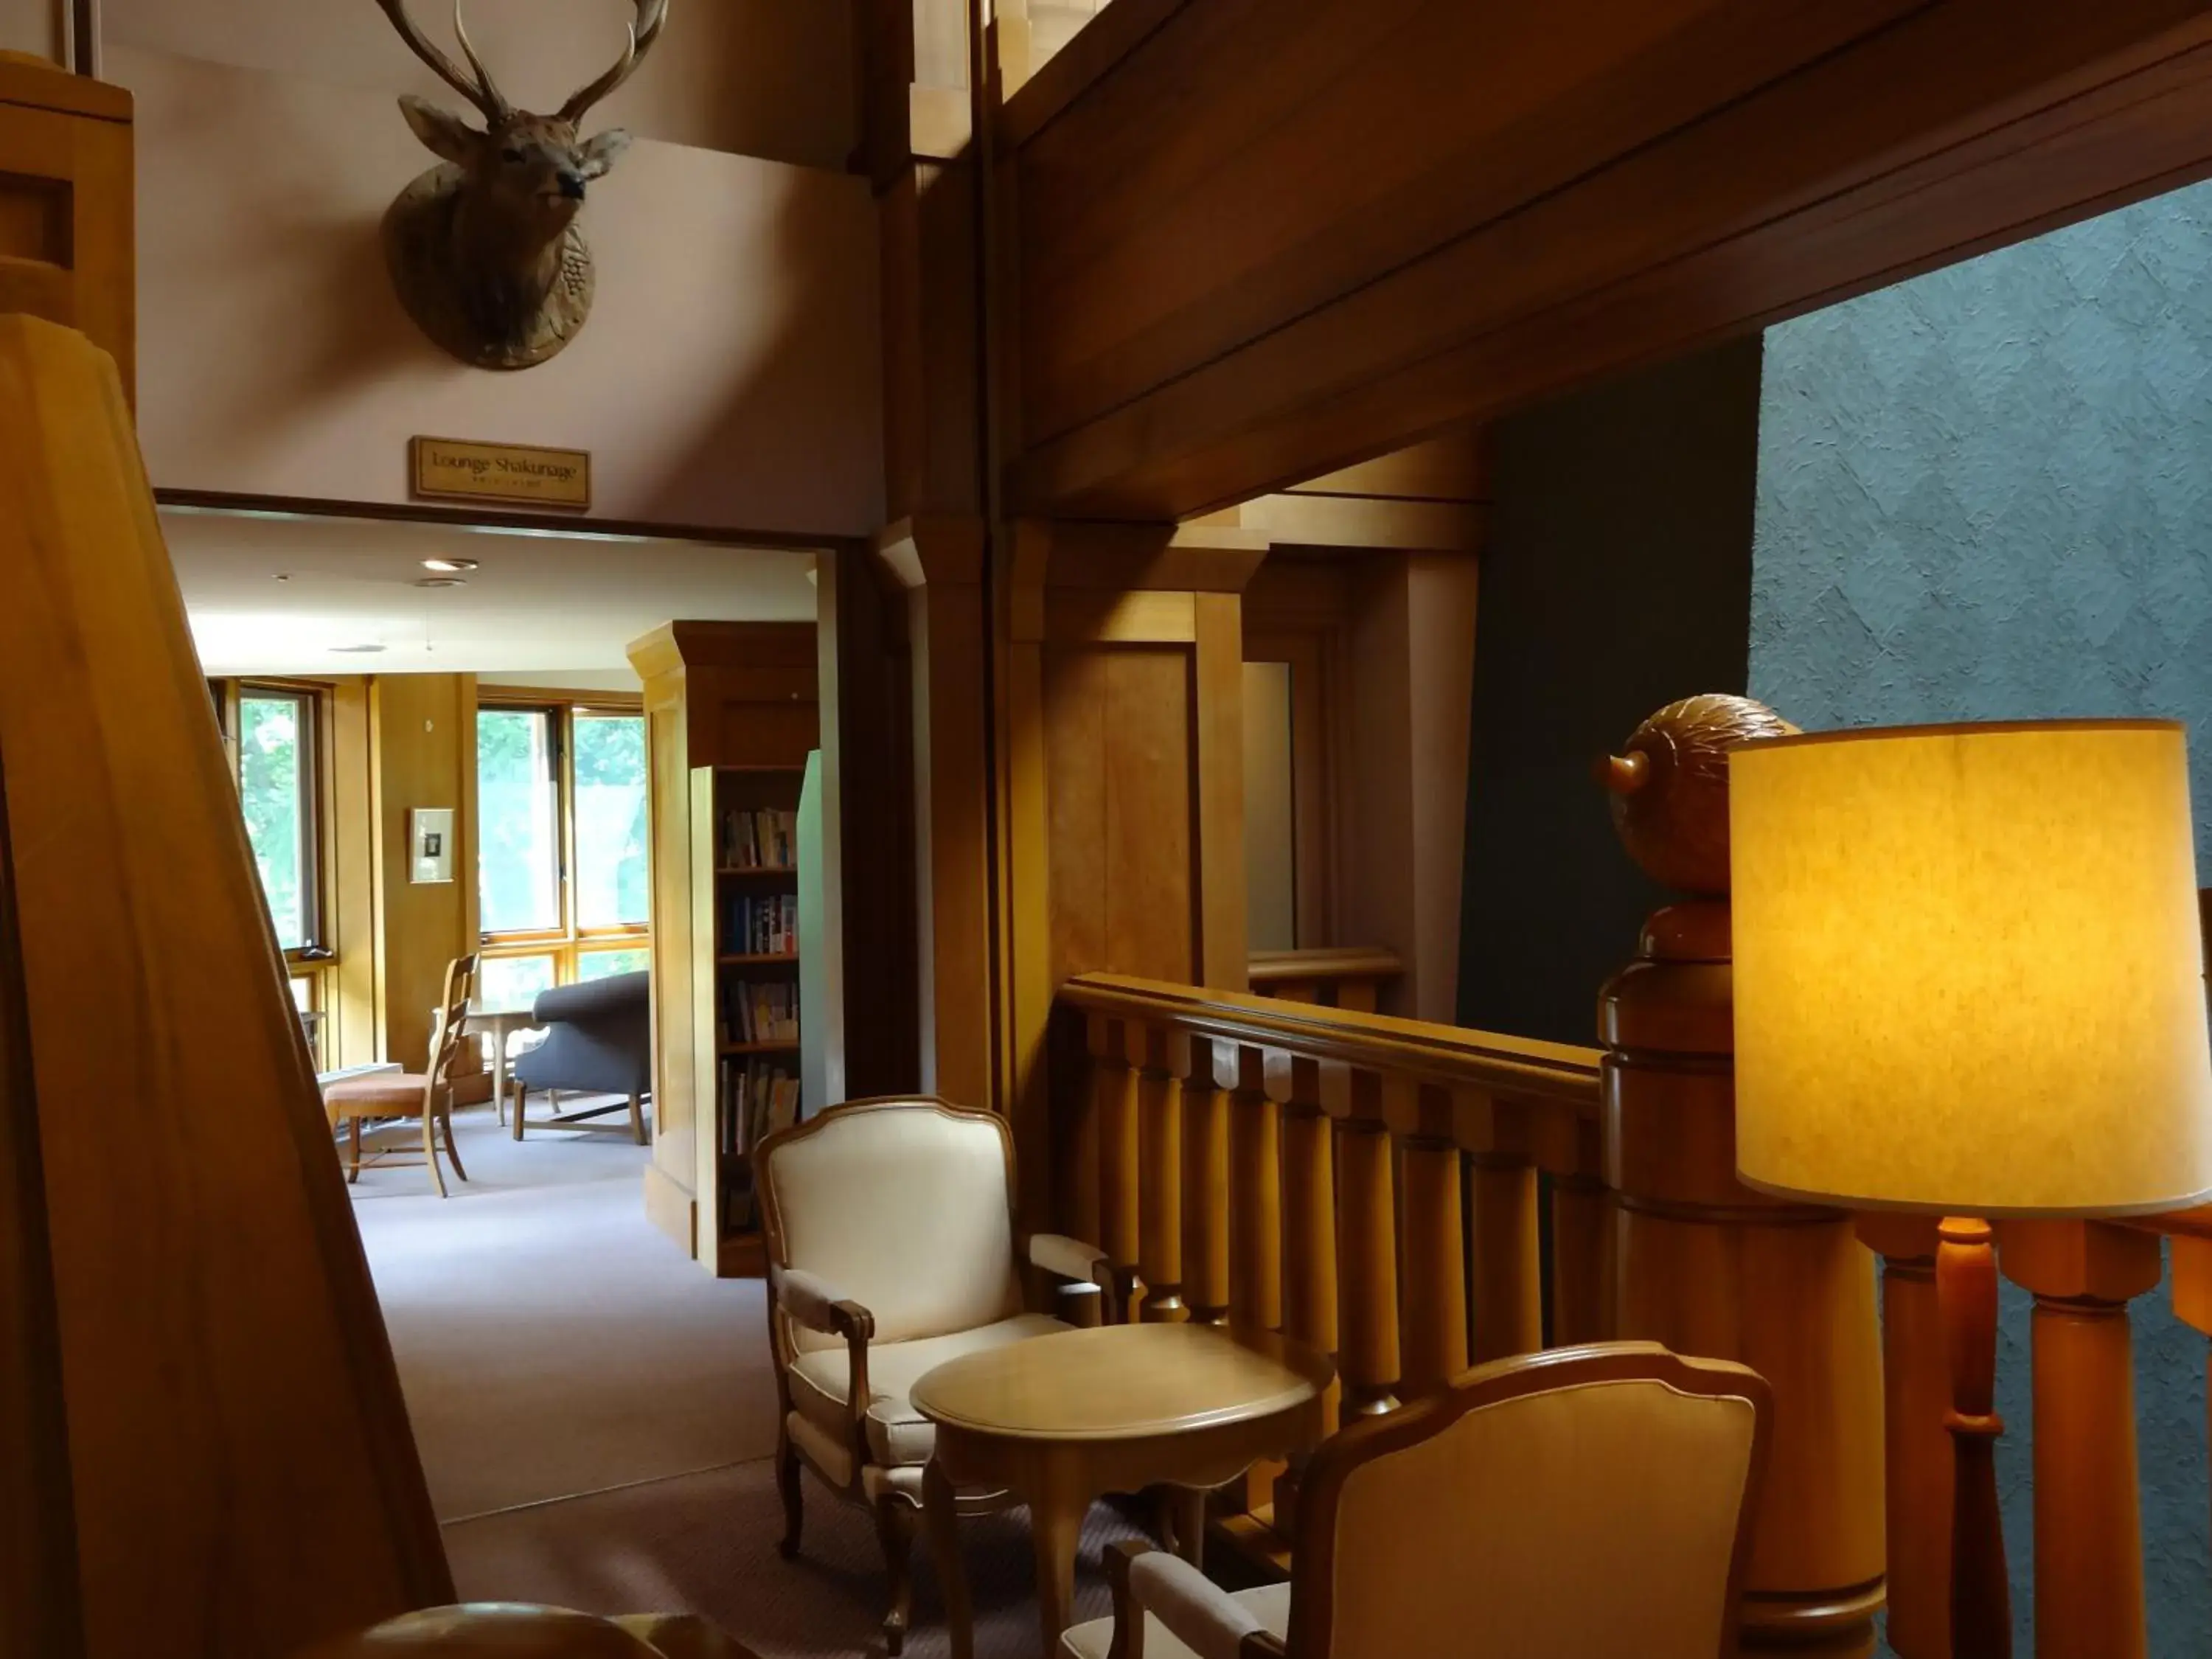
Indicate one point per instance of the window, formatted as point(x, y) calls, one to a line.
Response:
point(518, 821)
point(275, 749)
point(610, 796)
point(562, 878)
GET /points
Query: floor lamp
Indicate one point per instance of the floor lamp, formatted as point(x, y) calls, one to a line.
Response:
point(1969, 982)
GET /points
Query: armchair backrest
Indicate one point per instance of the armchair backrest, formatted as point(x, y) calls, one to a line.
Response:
point(905, 1205)
point(1578, 1501)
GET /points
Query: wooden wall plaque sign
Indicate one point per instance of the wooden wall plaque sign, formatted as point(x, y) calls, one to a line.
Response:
point(455, 468)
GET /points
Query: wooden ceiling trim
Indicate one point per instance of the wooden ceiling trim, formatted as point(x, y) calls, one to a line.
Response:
point(1963, 127)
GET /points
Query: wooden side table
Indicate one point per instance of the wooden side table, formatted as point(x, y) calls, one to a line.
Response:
point(1060, 1420)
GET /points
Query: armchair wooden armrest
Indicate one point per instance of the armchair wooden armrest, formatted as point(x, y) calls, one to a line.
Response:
point(1202, 1616)
point(816, 1304)
point(1083, 1264)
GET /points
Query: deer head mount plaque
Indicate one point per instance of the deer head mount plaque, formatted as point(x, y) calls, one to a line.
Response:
point(484, 251)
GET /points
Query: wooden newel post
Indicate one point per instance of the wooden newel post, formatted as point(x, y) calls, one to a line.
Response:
point(1706, 1265)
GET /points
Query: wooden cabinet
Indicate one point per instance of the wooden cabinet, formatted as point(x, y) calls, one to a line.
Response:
point(66, 221)
point(730, 713)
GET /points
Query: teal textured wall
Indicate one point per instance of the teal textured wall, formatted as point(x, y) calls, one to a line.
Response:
point(1986, 493)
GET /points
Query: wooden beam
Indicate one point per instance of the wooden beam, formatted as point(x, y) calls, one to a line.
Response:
point(1337, 248)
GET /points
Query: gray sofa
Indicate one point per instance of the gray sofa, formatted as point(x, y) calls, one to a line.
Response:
point(599, 1040)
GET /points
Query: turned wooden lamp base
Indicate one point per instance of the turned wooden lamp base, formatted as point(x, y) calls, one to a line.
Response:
point(1966, 1298)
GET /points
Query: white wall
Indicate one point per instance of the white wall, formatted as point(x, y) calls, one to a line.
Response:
point(33, 25)
point(728, 376)
point(772, 78)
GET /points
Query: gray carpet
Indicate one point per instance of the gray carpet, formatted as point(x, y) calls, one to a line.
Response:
point(595, 1416)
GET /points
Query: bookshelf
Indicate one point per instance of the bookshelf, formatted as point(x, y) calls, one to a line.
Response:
point(746, 1017)
point(731, 720)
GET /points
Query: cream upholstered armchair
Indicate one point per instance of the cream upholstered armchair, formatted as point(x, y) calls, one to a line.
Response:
point(892, 1249)
point(1577, 1503)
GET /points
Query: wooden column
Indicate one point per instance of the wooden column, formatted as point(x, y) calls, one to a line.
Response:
point(1159, 1203)
point(1206, 1200)
point(1709, 1267)
point(1367, 1265)
point(2088, 1512)
point(2192, 1290)
point(1508, 1314)
point(939, 562)
point(1256, 1196)
point(1433, 1244)
point(1918, 1460)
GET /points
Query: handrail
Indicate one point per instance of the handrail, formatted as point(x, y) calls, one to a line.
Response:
point(1449, 1055)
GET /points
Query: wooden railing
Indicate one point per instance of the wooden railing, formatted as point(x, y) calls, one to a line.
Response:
point(1339, 976)
point(1371, 1186)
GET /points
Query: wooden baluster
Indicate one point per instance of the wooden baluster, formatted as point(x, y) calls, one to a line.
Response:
point(1502, 1230)
point(1159, 1119)
point(1113, 1054)
point(1255, 1267)
point(1434, 1337)
point(2088, 1515)
point(1309, 1305)
point(1367, 1246)
point(2192, 1292)
point(1583, 1238)
point(1205, 1178)
point(1918, 1460)
point(1309, 1207)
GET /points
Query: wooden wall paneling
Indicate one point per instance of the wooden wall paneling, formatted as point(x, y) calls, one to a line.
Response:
point(67, 227)
point(1858, 144)
point(219, 1338)
point(422, 730)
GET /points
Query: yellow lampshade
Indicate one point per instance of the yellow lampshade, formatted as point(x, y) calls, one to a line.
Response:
point(1969, 976)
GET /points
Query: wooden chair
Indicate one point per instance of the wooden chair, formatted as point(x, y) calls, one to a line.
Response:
point(1575, 1503)
point(427, 1094)
point(892, 1248)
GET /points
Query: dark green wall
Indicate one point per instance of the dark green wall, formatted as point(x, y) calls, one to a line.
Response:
point(1616, 578)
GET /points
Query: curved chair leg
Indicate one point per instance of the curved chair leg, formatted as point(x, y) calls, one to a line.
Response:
point(636, 1120)
point(446, 1119)
point(786, 1484)
point(894, 1527)
point(430, 1150)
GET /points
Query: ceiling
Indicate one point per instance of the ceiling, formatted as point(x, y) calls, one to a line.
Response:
point(271, 593)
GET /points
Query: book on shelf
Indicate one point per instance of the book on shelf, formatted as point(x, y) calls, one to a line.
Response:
point(754, 838)
point(763, 925)
point(756, 1099)
point(759, 1011)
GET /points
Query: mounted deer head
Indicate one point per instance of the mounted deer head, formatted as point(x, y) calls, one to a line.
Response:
point(484, 251)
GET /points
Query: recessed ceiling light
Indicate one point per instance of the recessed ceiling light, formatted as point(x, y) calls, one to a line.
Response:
point(283, 577)
point(449, 564)
point(355, 650)
point(441, 582)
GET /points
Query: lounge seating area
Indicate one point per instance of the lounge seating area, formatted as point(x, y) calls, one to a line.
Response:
point(1244, 831)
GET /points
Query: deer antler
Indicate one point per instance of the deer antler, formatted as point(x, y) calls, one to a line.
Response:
point(479, 90)
point(651, 15)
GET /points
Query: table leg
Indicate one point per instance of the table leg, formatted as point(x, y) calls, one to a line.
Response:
point(940, 1510)
point(1186, 1508)
point(1056, 1528)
